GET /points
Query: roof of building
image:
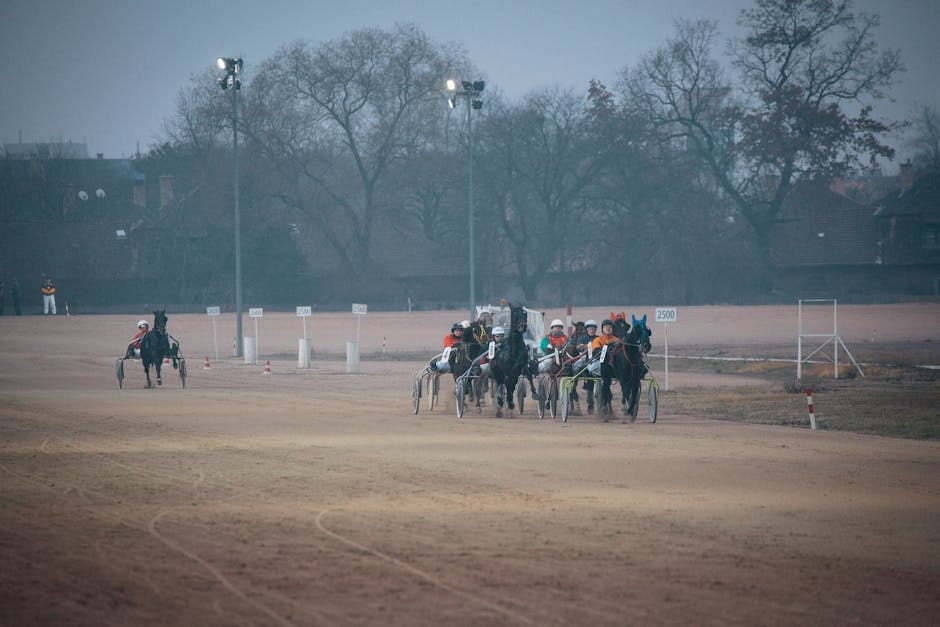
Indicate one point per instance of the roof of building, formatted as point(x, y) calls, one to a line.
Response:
point(822, 227)
point(46, 150)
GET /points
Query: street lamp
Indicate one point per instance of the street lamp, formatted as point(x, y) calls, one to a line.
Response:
point(471, 91)
point(230, 81)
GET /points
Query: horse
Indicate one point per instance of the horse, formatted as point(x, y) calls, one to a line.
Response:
point(511, 360)
point(155, 347)
point(465, 355)
point(627, 360)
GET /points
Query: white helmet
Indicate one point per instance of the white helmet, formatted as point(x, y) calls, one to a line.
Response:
point(499, 331)
point(465, 324)
point(590, 323)
point(557, 323)
point(143, 323)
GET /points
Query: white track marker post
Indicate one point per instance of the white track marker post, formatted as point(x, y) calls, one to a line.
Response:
point(256, 313)
point(809, 404)
point(352, 348)
point(213, 313)
point(303, 349)
point(570, 328)
point(666, 315)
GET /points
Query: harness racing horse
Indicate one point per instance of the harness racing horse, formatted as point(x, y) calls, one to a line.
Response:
point(628, 365)
point(465, 355)
point(511, 360)
point(155, 346)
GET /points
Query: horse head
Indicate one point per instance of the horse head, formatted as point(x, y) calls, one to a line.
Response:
point(518, 319)
point(641, 333)
point(159, 320)
point(621, 326)
point(477, 332)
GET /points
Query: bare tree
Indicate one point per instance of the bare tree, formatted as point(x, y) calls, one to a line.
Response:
point(801, 66)
point(332, 120)
point(537, 162)
point(925, 137)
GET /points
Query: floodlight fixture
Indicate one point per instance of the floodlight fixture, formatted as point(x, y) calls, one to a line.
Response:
point(478, 85)
point(451, 84)
point(230, 65)
point(477, 104)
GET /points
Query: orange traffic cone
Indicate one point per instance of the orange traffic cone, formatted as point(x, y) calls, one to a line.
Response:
point(267, 367)
point(206, 365)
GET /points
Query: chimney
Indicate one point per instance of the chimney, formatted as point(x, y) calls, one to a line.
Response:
point(906, 178)
point(166, 190)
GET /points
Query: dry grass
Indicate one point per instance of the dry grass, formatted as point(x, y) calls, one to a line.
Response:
point(895, 401)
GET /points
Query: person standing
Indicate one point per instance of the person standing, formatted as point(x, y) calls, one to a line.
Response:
point(48, 297)
point(15, 292)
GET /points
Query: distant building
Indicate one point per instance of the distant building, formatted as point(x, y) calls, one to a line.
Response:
point(46, 150)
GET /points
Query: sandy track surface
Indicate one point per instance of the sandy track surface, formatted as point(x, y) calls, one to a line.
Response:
point(315, 497)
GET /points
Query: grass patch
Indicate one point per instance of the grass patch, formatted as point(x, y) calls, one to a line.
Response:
point(896, 401)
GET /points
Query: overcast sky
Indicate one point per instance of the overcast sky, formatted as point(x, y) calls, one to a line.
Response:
point(107, 72)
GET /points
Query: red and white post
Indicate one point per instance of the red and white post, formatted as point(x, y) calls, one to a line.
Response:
point(809, 404)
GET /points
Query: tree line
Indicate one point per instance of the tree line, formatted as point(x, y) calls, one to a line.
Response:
point(668, 181)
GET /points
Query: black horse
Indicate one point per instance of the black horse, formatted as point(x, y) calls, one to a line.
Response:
point(465, 355)
point(512, 360)
point(627, 360)
point(155, 347)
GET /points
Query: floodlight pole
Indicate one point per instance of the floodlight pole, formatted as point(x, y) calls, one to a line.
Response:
point(230, 80)
point(238, 232)
point(471, 92)
point(473, 299)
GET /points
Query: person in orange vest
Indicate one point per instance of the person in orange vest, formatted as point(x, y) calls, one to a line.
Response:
point(48, 297)
point(606, 337)
point(450, 340)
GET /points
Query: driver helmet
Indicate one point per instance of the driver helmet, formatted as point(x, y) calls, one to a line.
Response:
point(498, 331)
point(143, 323)
point(606, 322)
point(557, 323)
point(465, 324)
point(456, 326)
point(591, 323)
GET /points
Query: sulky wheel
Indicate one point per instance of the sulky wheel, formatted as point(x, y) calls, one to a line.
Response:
point(434, 388)
point(120, 373)
point(541, 399)
point(416, 395)
point(564, 402)
point(182, 363)
point(459, 394)
point(553, 396)
point(653, 398)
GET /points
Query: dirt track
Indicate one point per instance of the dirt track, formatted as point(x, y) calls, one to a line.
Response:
point(314, 497)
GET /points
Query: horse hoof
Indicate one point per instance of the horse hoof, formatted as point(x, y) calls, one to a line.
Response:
point(159, 381)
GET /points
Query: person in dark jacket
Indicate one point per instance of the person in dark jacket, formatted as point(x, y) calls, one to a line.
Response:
point(15, 293)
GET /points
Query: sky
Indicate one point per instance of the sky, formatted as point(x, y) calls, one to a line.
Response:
point(107, 72)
